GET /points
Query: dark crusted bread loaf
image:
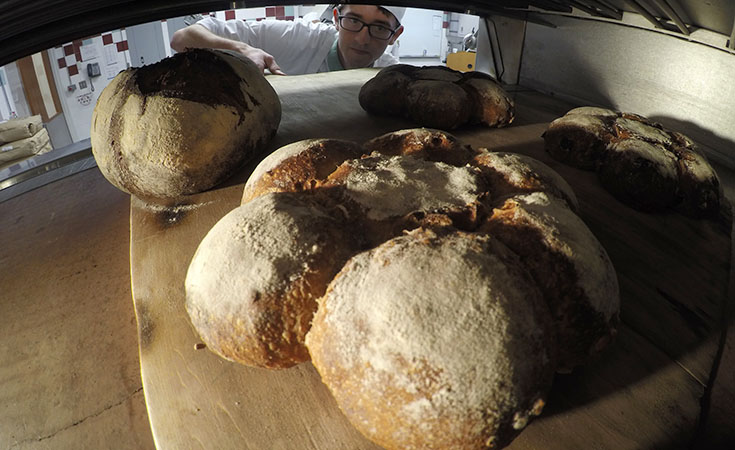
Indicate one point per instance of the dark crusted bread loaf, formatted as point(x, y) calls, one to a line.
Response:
point(437, 97)
point(640, 162)
point(182, 125)
point(451, 283)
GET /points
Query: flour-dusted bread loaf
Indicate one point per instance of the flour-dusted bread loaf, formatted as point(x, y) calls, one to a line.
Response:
point(437, 97)
point(182, 125)
point(570, 266)
point(435, 341)
point(449, 281)
point(252, 285)
point(640, 162)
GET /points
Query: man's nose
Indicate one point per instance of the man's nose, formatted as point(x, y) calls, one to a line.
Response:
point(363, 36)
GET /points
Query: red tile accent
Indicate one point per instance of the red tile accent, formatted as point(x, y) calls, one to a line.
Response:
point(78, 53)
point(445, 24)
point(73, 70)
point(259, 19)
point(68, 50)
point(122, 46)
point(230, 15)
point(288, 18)
point(280, 18)
point(107, 39)
point(62, 63)
point(280, 11)
point(270, 12)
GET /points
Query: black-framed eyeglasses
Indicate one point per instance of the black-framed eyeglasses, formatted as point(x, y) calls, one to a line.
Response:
point(376, 30)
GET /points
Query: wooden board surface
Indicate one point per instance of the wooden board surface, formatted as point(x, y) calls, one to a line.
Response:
point(644, 393)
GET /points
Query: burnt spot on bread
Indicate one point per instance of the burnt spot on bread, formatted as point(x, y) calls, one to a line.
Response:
point(170, 216)
point(197, 75)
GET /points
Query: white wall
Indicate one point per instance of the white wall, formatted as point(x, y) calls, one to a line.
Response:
point(422, 35)
point(683, 84)
point(78, 92)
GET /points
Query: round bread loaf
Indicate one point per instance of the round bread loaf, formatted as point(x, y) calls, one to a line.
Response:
point(461, 361)
point(437, 97)
point(182, 125)
point(640, 162)
point(453, 273)
point(252, 285)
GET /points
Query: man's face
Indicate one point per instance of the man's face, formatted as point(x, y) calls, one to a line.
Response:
point(359, 49)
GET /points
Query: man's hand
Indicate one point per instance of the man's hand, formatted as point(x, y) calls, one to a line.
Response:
point(262, 59)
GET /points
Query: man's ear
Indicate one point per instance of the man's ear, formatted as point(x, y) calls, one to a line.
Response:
point(395, 35)
point(335, 13)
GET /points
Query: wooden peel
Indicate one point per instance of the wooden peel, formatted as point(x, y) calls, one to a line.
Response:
point(644, 392)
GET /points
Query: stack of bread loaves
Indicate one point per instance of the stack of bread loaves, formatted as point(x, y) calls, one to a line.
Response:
point(437, 97)
point(184, 124)
point(435, 287)
point(22, 138)
point(640, 162)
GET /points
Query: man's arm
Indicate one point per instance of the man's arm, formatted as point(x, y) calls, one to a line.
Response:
point(196, 36)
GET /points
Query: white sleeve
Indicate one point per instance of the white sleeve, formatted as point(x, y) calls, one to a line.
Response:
point(297, 46)
point(237, 30)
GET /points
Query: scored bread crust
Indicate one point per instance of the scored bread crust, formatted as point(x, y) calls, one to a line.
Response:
point(299, 166)
point(164, 131)
point(437, 97)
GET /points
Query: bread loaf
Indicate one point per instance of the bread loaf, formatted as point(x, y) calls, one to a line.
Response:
point(437, 97)
point(435, 341)
point(638, 161)
point(252, 285)
point(449, 283)
point(182, 125)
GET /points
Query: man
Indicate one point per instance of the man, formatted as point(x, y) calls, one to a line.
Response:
point(359, 39)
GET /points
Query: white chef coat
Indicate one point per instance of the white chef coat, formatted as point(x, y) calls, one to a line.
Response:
point(299, 47)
